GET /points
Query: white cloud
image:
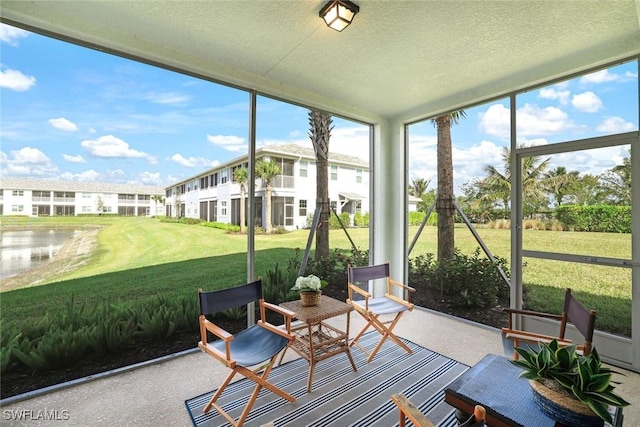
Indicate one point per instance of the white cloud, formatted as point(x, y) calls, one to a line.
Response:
point(109, 146)
point(228, 142)
point(593, 162)
point(535, 121)
point(15, 80)
point(599, 77)
point(615, 125)
point(468, 162)
point(531, 120)
point(150, 178)
point(587, 102)
point(27, 161)
point(10, 35)
point(551, 93)
point(351, 141)
point(74, 159)
point(63, 124)
point(192, 162)
point(30, 155)
point(86, 176)
point(495, 121)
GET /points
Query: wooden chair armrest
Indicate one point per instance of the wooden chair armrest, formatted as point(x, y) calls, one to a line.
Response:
point(532, 337)
point(280, 310)
point(408, 409)
point(218, 331)
point(276, 330)
point(360, 291)
point(400, 300)
point(402, 285)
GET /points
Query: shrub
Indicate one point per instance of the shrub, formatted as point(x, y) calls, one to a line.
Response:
point(416, 218)
point(181, 220)
point(334, 268)
point(222, 226)
point(361, 220)
point(7, 357)
point(111, 335)
point(277, 283)
point(236, 313)
point(345, 219)
point(186, 312)
point(599, 218)
point(499, 224)
point(59, 348)
point(156, 321)
point(464, 281)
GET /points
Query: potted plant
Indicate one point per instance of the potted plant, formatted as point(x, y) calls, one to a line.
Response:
point(570, 388)
point(310, 288)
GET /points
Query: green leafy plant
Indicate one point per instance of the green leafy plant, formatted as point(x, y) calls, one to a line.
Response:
point(111, 335)
point(277, 283)
point(58, 349)
point(156, 322)
point(464, 281)
point(583, 377)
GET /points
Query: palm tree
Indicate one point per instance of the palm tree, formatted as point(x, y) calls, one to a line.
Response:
point(320, 127)
point(499, 184)
point(267, 170)
point(445, 197)
point(558, 182)
point(617, 182)
point(241, 175)
point(419, 187)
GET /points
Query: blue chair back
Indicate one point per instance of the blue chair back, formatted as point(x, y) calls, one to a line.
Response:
point(215, 301)
point(362, 275)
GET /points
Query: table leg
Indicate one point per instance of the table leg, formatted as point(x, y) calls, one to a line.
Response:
point(312, 358)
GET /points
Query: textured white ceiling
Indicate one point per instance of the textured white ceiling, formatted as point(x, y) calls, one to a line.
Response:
point(398, 60)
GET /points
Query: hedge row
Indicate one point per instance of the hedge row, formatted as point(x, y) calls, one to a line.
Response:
point(599, 218)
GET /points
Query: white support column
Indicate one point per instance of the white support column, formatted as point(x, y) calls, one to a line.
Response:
point(635, 254)
point(389, 196)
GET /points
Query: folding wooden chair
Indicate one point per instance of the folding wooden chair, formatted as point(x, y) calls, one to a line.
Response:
point(260, 344)
point(408, 410)
point(371, 308)
point(583, 319)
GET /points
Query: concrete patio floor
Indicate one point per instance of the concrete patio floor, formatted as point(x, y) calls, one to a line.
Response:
point(154, 395)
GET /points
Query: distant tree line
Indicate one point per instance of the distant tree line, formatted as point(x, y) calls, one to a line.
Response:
point(488, 197)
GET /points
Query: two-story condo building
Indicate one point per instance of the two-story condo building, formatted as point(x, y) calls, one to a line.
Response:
point(34, 197)
point(214, 195)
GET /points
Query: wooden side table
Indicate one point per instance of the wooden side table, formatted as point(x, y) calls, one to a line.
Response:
point(316, 340)
point(494, 383)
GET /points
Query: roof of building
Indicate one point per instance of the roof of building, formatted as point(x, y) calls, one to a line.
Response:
point(79, 186)
point(289, 150)
point(298, 150)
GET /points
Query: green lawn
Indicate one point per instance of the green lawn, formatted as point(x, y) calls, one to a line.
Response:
point(139, 257)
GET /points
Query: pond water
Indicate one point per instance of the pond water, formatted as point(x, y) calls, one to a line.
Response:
point(23, 250)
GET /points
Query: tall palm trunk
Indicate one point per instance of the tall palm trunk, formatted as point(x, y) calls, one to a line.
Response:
point(444, 202)
point(269, 227)
point(320, 132)
point(242, 210)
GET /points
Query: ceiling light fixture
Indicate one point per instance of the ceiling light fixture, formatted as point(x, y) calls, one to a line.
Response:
point(338, 14)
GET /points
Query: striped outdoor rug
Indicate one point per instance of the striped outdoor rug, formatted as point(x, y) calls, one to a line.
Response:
point(341, 397)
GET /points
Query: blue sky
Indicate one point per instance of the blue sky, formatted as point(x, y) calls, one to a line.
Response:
point(70, 113)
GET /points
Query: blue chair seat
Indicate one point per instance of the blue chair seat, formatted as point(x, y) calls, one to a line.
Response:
point(383, 305)
point(253, 346)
